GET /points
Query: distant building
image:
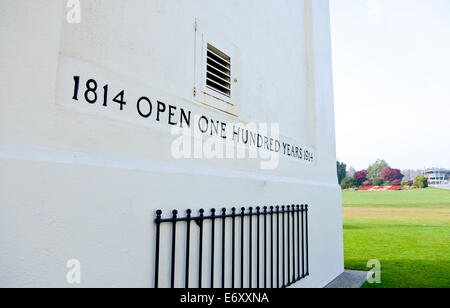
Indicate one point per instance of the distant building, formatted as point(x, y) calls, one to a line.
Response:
point(438, 176)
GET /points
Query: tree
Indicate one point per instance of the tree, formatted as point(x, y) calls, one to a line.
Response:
point(360, 176)
point(421, 181)
point(374, 170)
point(378, 182)
point(389, 174)
point(341, 171)
point(410, 175)
point(351, 172)
point(348, 183)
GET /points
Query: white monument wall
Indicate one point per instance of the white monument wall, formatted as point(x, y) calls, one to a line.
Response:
point(81, 181)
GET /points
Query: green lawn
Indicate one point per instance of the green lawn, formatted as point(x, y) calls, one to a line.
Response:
point(430, 198)
point(407, 231)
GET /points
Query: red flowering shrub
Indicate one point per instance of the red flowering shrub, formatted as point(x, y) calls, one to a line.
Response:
point(389, 174)
point(360, 176)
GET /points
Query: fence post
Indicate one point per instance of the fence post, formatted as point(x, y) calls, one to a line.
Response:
point(158, 233)
point(188, 241)
point(174, 236)
point(200, 255)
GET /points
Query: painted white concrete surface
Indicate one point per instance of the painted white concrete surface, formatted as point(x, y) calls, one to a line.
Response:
point(80, 183)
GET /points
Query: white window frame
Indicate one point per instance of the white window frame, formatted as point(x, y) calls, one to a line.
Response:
point(202, 94)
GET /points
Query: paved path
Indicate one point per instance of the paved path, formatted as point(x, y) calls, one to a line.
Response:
point(349, 280)
point(441, 186)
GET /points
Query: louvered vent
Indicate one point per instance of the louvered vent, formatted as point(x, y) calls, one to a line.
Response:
point(218, 71)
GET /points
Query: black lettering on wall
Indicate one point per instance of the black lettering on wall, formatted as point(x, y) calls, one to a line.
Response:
point(161, 108)
point(185, 118)
point(145, 101)
point(214, 128)
point(172, 110)
point(203, 129)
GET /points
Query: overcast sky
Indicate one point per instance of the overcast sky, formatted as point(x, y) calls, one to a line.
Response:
point(392, 82)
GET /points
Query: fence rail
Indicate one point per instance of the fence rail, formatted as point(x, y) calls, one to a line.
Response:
point(278, 246)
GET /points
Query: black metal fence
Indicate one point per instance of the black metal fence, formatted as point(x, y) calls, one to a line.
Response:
point(275, 239)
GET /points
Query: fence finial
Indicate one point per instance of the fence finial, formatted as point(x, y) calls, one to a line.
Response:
point(158, 215)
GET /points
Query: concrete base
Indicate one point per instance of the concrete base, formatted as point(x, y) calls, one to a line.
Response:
point(349, 280)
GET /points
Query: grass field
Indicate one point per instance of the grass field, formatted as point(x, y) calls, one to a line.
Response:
point(422, 198)
point(407, 231)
